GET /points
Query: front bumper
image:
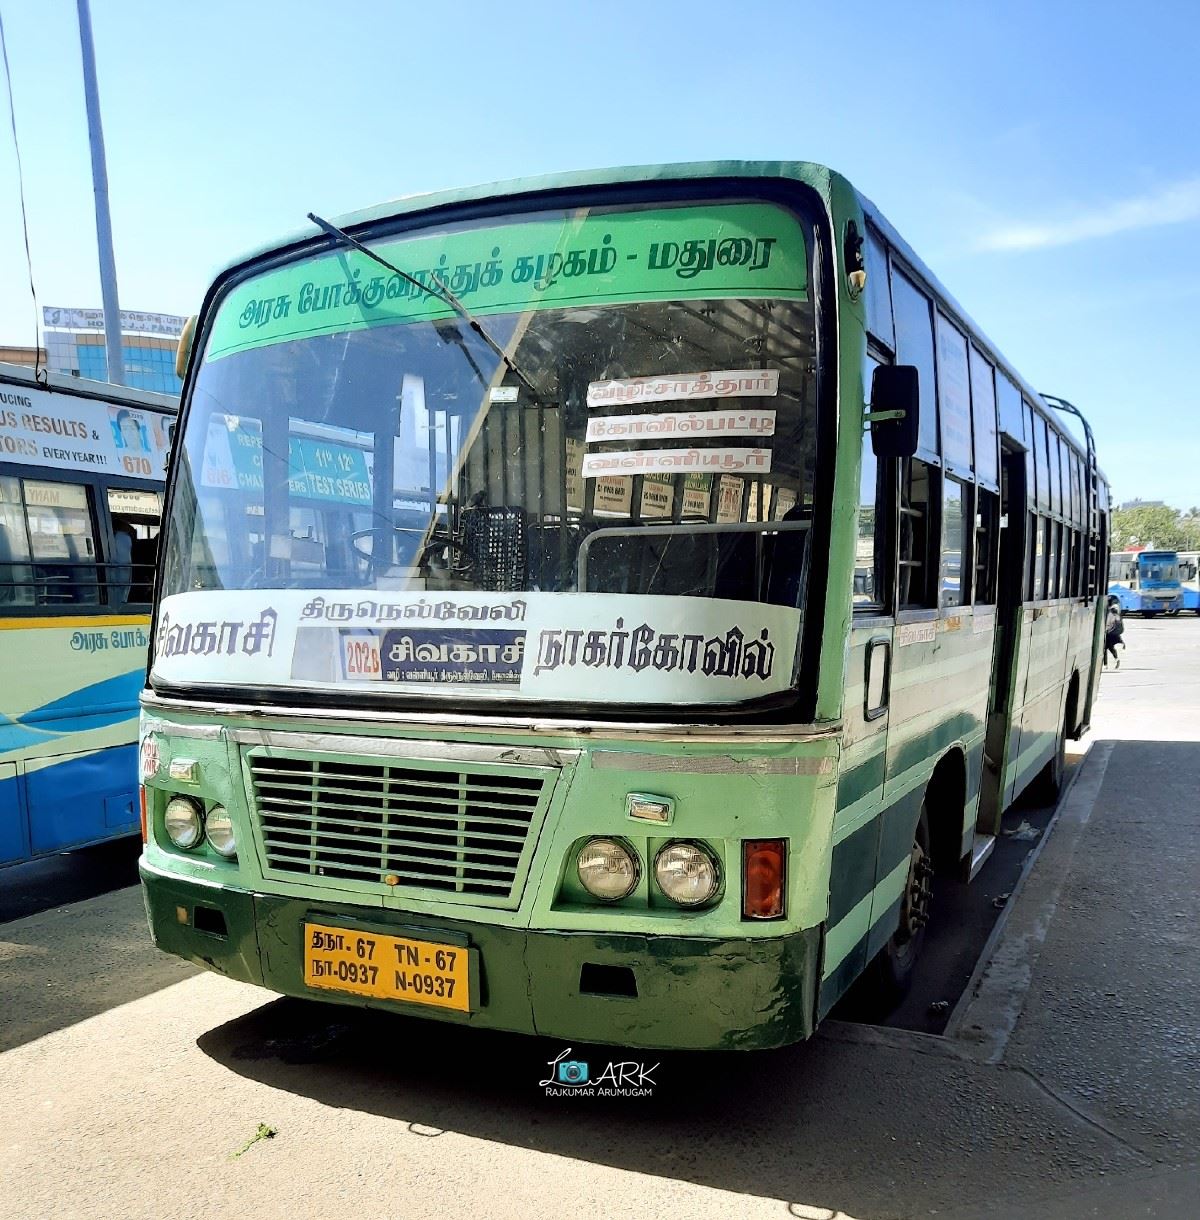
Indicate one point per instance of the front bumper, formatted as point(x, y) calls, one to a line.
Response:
point(692, 993)
point(1161, 605)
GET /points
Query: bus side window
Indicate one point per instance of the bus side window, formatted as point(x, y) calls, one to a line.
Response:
point(875, 510)
point(16, 577)
point(914, 345)
point(1040, 552)
point(129, 572)
point(917, 589)
point(956, 507)
point(62, 534)
point(879, 292)
point(987, 519)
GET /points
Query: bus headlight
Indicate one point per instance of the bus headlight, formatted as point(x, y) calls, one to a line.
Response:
point(687, 874)
point(608, 869)
point(218, 826)
point(184, 822)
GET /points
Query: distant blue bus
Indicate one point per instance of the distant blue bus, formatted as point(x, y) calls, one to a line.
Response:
point(1189, 579)
point(1146, 582)
point(81, 477)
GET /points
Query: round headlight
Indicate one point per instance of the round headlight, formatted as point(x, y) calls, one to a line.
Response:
point(687, 874)
point(184, 822)
point(608, 869)
point(218, 826)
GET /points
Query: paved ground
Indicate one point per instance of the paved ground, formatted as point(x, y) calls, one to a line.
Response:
point(1069, 1088)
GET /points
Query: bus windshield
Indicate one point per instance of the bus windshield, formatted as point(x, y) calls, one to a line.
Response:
point(367, 496)
point(1159, 569)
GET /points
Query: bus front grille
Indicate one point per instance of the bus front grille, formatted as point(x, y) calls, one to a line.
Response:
point(462, 833)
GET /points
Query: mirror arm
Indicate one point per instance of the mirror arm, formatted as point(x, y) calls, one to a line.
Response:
point(879, 417)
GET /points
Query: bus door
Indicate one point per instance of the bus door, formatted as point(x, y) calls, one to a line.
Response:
point(1009, 661)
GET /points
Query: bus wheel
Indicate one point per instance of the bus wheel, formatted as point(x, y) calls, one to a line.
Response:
point(1048, 783)
point(894, 966)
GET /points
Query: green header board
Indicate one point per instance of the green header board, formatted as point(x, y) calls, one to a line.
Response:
point(663, 254)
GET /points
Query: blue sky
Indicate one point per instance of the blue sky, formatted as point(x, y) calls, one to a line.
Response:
point(1043, 158)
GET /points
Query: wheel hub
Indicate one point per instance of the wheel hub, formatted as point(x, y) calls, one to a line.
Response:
point(914, 910)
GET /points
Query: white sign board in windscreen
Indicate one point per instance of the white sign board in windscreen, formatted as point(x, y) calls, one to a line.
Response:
point(553, 647)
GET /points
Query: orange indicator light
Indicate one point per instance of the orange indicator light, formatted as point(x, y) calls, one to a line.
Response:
point(763, 875)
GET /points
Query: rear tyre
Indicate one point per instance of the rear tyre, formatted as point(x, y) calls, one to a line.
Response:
point(1047, 785)
point(891, 973)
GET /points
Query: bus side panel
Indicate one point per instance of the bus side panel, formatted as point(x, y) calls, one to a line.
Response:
point(1014, 767)
point(14, 834)
point(80, 798)
point(855, 826)
point(1081, 658)
point(1041, 718)
point(940, 688)
point(940, 691)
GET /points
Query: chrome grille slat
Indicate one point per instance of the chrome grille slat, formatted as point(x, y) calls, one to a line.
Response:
point(441, 826)
point(364, 872)
point(338, 803)
point(348, 856)
point(371, 848)
point(455, 830)
point(520, 793)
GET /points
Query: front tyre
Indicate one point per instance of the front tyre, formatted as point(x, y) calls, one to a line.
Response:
point(892, 970)
point(1047, 785)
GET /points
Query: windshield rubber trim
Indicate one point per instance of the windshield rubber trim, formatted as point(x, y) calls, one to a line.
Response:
point(798, 703)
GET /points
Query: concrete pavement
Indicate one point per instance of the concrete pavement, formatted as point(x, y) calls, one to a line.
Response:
point(1069, 1088)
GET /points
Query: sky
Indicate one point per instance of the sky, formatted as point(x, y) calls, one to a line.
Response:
point(1043, 159)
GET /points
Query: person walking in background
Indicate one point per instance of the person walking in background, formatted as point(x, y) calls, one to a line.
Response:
point(1114, 629)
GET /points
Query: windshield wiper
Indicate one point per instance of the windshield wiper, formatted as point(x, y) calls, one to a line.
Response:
point(441, 292)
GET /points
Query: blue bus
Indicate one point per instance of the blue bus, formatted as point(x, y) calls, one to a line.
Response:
point(82, 468)
point(1146, 582)
point(1189, 579)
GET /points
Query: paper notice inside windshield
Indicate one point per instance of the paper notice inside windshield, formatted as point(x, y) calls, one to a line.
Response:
point(728, 383)
point(675, 461)
point(681, 423)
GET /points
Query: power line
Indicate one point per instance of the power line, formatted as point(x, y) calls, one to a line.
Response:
point(38, 371)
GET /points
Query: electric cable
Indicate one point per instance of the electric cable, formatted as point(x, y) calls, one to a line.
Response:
point(39, 373)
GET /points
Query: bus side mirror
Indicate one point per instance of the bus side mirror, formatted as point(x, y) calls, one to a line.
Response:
point(895, 410)
point(184, 350)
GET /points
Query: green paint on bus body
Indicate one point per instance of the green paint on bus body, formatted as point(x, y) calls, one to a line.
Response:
point(708, 977)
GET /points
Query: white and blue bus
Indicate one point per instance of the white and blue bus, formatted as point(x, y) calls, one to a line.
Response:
point(1145, 582)
point(82, 466)
point(1189, 580)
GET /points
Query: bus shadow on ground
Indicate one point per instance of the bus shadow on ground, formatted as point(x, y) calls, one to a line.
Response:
point(785, 1124)
point(56, 881)
point(74, 943)
point(729, 1120)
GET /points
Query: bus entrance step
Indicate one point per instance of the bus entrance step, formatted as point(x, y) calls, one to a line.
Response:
point(980, 850)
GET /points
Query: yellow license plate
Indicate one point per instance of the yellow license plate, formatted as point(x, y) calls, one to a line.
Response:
point(387, 967)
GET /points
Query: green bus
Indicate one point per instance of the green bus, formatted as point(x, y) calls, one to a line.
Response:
point(594, 606)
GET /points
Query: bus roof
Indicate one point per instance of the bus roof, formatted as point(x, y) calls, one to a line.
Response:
point(820, 177)
point(21, 375)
